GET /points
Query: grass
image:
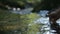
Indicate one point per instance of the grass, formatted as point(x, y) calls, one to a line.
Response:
point(9, 21)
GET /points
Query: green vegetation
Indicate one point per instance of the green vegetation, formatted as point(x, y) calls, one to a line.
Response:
point(11, 21)
point(20, 3)
point(23, 23)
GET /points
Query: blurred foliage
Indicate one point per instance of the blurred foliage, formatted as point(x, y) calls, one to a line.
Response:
point(25, 2)
point(10, 21)
point(28, 19)
point(33, 28)
point(22, 3)
point(47, 5)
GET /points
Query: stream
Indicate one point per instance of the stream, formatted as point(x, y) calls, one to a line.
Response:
point(42, 20)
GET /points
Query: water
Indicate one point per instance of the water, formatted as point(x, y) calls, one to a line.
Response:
point(24, 11)
point(42, 20)
point(43, 13)
point(45, 20)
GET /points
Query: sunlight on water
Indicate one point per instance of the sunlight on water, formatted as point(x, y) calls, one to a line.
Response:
point(24, 11)
point(58, 21)
point(14, 9)
point(43, 20)
point(18, 9)
point(43, 13)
